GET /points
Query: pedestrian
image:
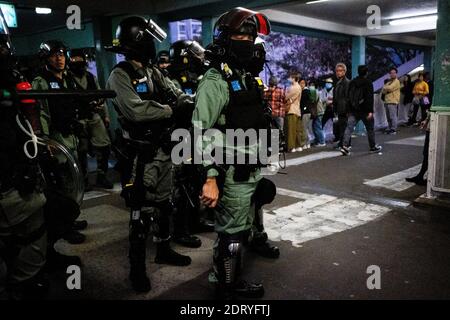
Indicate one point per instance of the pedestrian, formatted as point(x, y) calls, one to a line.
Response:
point(293, 118)
point(305, 105)
point(420, 92)
point(419, 178)
point(317, 111)
point(391, 90)
point(360, 96)
point(341, 102)
point(276, 97)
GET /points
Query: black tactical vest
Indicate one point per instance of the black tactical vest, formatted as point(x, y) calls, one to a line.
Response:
point(152, 130)
point(245, 109)
point(86, 110)
point(16, 170)
point(63, 112)
point(188, 82)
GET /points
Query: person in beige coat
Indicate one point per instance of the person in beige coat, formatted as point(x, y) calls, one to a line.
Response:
point(293, 119)
point(391, 90)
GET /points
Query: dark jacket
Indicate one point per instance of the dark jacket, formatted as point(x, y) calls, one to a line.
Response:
point(340, 96)
point(407, 91)
point(305, 102)
point(367, 87)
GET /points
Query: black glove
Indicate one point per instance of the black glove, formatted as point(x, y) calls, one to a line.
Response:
point(182, 111)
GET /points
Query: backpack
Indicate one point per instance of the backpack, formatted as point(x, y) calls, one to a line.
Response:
point(355, 96)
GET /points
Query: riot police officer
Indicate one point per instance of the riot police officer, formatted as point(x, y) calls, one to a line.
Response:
point(94, 118)
point(186, 70)
point(266, 190)
point(59, 121)
point(163, 62)
point(22, 227)
point(229, 97)
point(146, 102)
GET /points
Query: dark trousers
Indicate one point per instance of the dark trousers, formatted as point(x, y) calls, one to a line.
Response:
point(329, 114)
point(353, 119)
point(426, 147)
point(341, 126)
point(423, 111)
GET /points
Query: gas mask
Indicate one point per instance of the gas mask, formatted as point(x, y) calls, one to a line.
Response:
point(242, 50)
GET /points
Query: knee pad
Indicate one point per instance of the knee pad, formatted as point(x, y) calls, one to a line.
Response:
point(265, 192)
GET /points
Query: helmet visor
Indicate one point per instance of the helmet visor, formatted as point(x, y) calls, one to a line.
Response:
point(235, 18)
point(3, 27)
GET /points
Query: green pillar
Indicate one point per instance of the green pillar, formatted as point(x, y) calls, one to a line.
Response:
point(427, 60)
point(358, 53)
point(207, 30)
point(441, 99)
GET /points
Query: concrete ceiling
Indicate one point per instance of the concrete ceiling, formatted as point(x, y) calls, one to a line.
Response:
point(353, 12)
point(339, 13)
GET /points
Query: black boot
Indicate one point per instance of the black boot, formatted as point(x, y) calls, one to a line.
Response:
point(74, 237)
point(261, 246)
point(35, 288)
point(188, 240)
point(102, 165)
point(417, 180)
point(80, 225)
point(165, 255)
point(249, 290)
point(137, 253)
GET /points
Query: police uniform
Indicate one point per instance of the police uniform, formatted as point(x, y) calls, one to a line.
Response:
point(93, 130)
point(146, 101)
point(58, 116)
point(22, 229)
point(230, 97)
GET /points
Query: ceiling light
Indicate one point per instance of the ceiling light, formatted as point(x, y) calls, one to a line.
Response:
point(412, 20)
point(316, 1)
point(43, 10)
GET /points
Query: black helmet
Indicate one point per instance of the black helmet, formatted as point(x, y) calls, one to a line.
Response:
point(240, 21)
point(47, 48)
point(6, 48)
point(78, 53)
point(77, 66)
point(187, 55)
point(135, 39)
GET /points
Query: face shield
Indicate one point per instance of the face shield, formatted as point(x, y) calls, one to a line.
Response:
point(235, 18)
point(6, 48)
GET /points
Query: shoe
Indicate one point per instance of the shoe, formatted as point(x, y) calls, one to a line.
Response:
point(345, 151)
point(392, 132)
point(58, 261)
point(417, 180)
point(103, 182)
point(321, 145)
point(74, 237)
point(300, 149)
point(140, 282)
point(308, 146)
point(249, 290)
point(266, 250)
point(35, 288)
point(188, 241)
point(79, 225)
point(165, 255)
point(375, 149)
point(292, 150)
